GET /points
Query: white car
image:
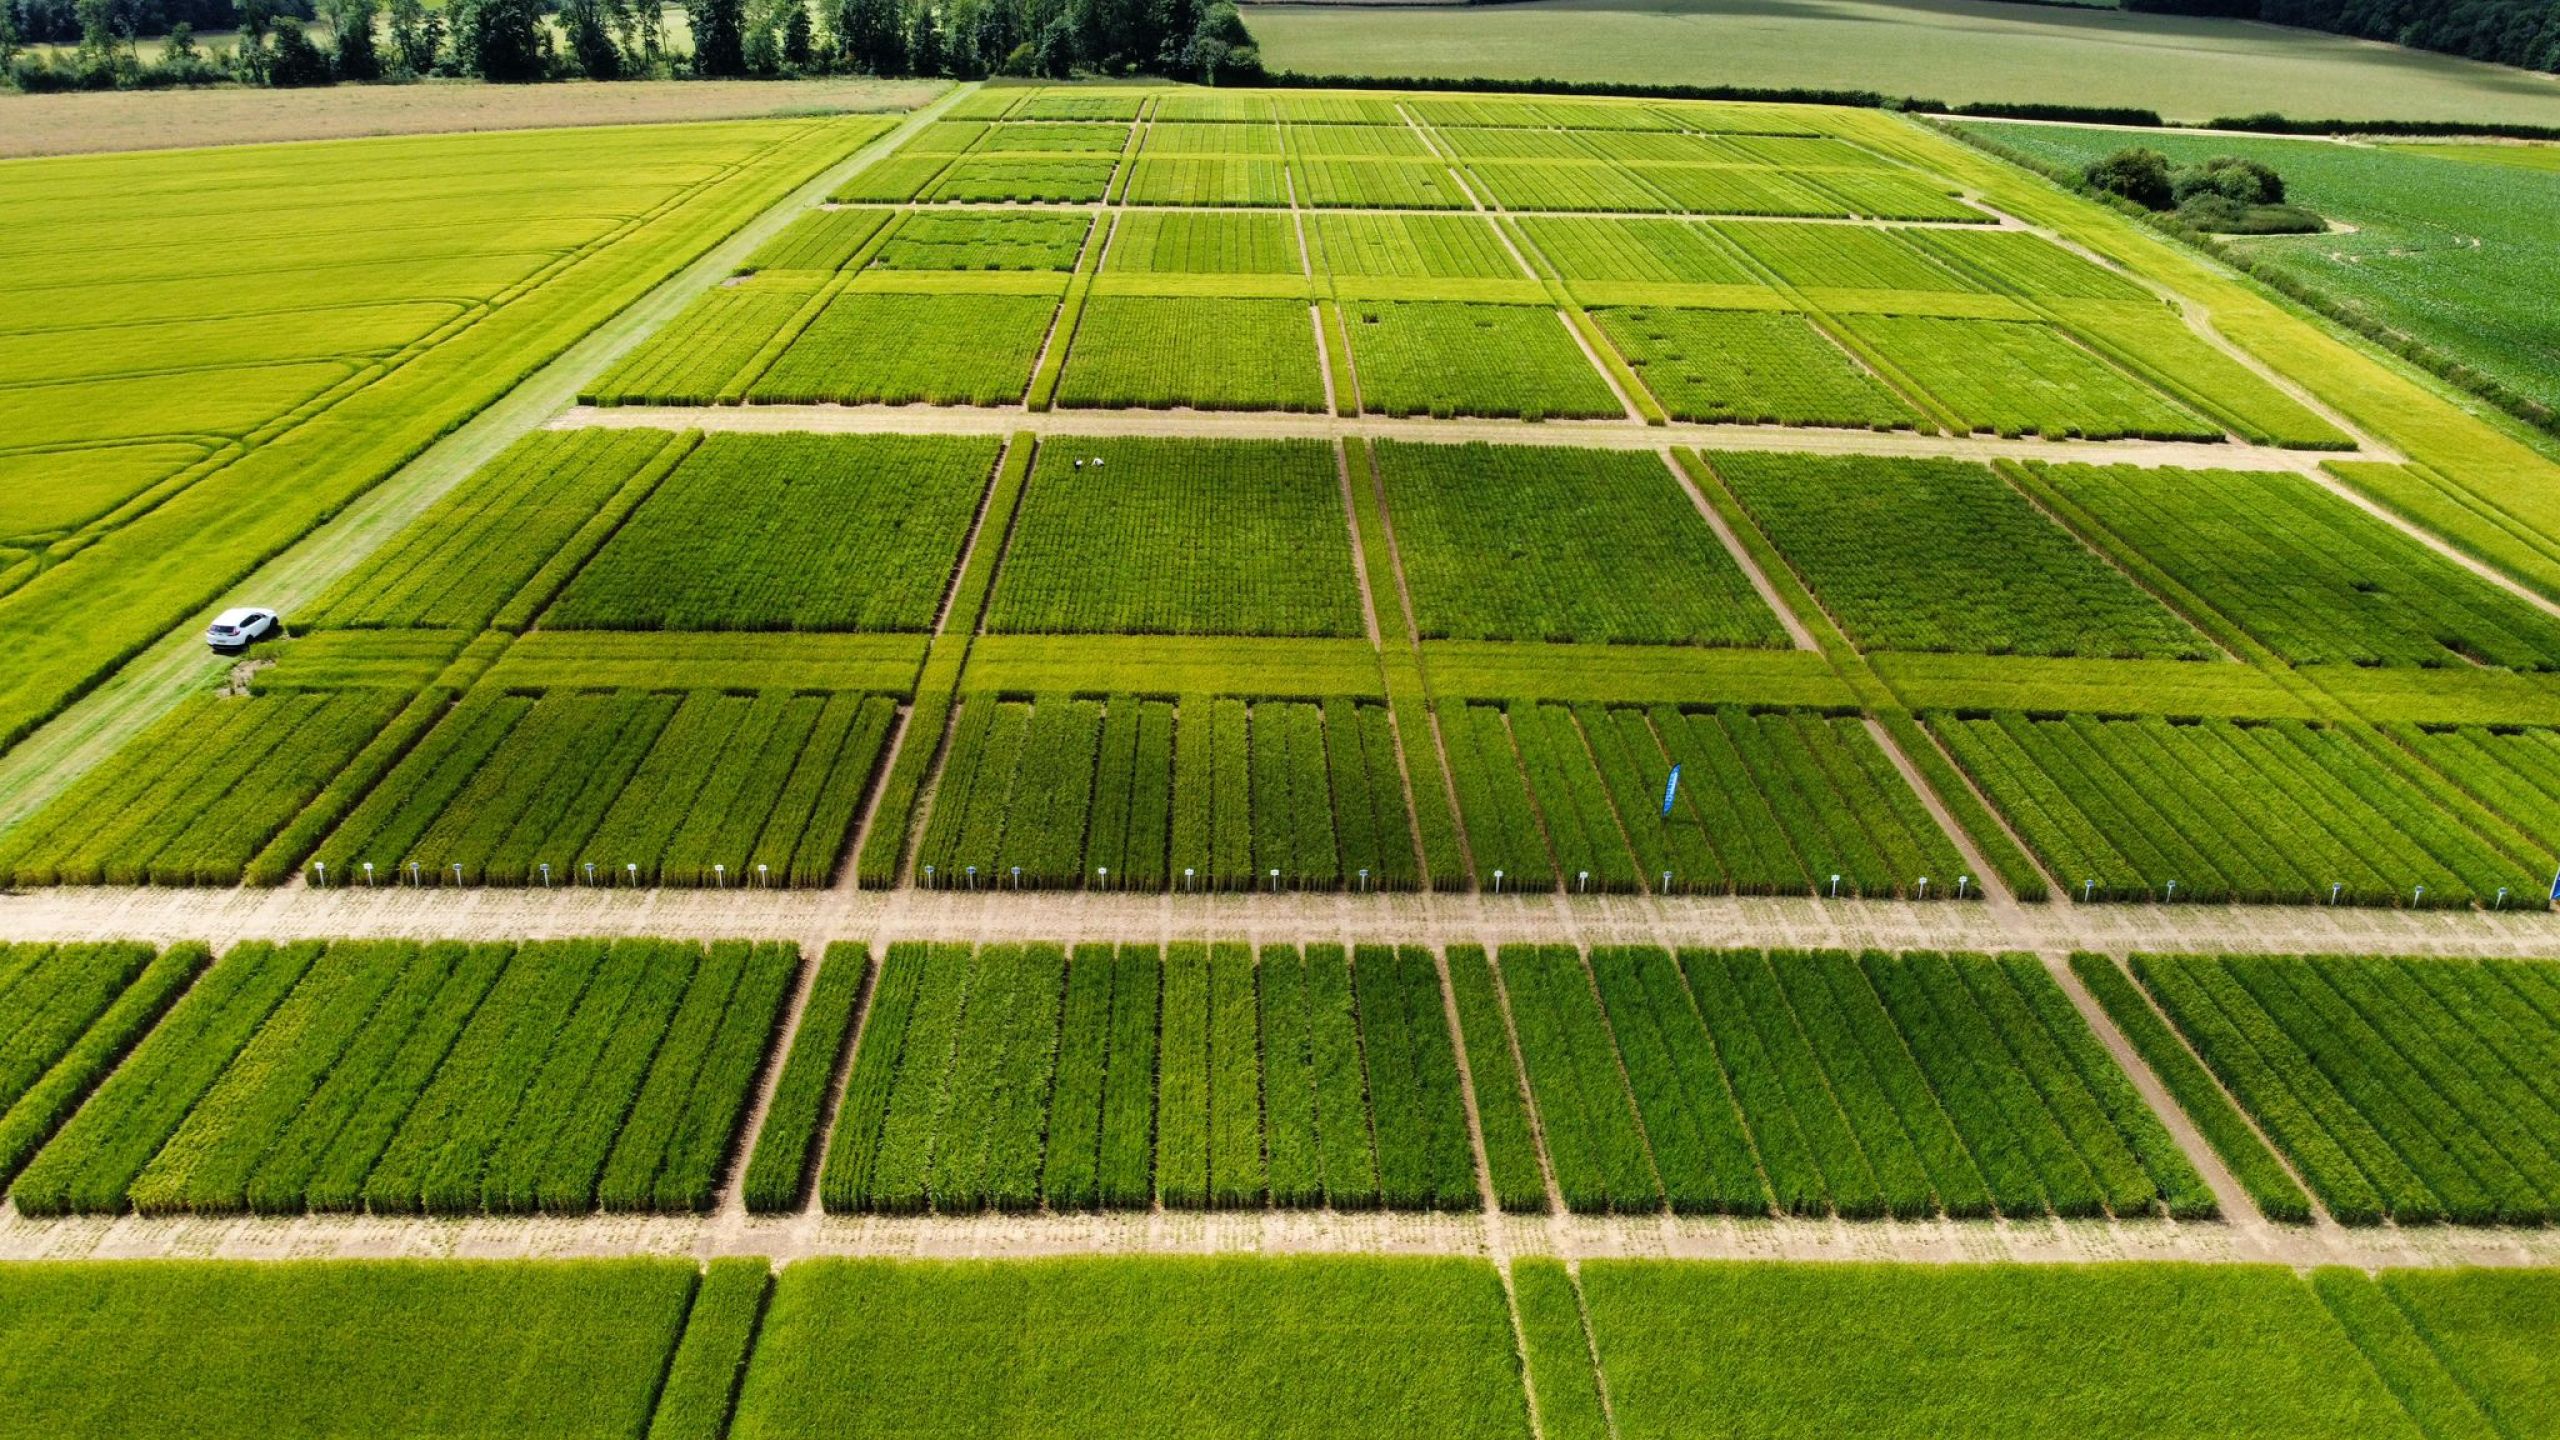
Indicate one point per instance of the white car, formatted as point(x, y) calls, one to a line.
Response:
point(236, 630)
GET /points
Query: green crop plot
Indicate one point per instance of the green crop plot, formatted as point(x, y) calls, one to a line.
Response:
point(1566, 185)
point(1208, 180)
point(1137, 794)
point(1414, 247)
point(1886, 195)
point(701, 788)
point(821, 240)
point(197, 797)
point(1594, 546)
point(2275, 812)
point(1015, 1077)
point(1052, 139)
point(2023, 1350)
point(2156, 344)
point(2413, 1090)
point(1062, 180)
point(1751, 366)
point(447, 1078)
point(228, 1350)
point(1942, 555)
point(74, 1013)
point(2025, 264)
point(707, 350)
point(1204, 243)
point(930, 240)
point(1180, 537)
point(1818, 1082)
point(444, 1079)
point(955, 349)
point(1670, 252)
point(2019, 379)
point(2306, 574)
point(788, 532)
point(1293, 1349)
point(787, 1145)
point(1428, 357)
point(1357, 142)
point(2511, 769)
point(1360, 184)
point(1841, 257)
point(1736, 190)
point(1207, 354)
point(1772, 803)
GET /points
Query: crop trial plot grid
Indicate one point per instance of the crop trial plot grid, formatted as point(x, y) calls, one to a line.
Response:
point(1371, 493)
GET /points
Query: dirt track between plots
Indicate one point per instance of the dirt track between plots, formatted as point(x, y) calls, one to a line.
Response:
point(1278, 425)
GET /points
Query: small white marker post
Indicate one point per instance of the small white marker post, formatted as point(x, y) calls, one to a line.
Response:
point(719, 877)
point(632, 869)
point(323, 867)
point(2173, 893)
point(416, 878)
point(1017, 877)
point(591, 874)
point(2501, 902)
point(2417, 895)
point(1497, 882)
point(1666, 882)
point(1364, 879)
point(2333, 893)
point(1275, 880)
point(764, 876)
point(2088, 889)
point(457, 872)
point(1835, 887)
point(1924, 887)
point(973, 877)
point(368, 874)
point(1104, 874)
point(1186, 877)
point(546, 875)
point(928, 877)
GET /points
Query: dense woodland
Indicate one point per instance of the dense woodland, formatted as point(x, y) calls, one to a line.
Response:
point(320, 42)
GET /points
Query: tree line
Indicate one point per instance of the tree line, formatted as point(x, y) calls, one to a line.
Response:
point(2524, 33)
point(286, 43)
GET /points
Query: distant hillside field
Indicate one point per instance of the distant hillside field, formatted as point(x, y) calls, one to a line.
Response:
point(1952, 50)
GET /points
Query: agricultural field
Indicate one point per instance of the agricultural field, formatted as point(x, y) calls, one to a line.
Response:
point(2412, 1090)
point(1196, 1077)
point(1140, 488)
point(2437, 242)
point(441, 1079)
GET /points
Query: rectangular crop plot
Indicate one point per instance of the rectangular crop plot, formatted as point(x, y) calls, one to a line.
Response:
point(1773, 802)
point(2410, 1089)
point(789, 532)
point(955, 349)
point(1671, 252)
point(1412, 247)
point(1751, 366)
point(446, 1078)
point(1130, 794)
point(1737, 190)
point(1564, 185)
point(1064, 180)
point(1138, 1346)
point(1595, 546)
point(1181, 537)
point(259, 1350)
point(2026, 264)
point(1418, 357)
point(1817, 1083)
point(2280, 811)
point(1208, 354)
point(1378, 185)
point(1232, 137)
point(1841, 257)
point(1939, 555)
point(821, 240)
point(698, 356)
point(932, 240)
point(1208, 180)
point(1188, 243)
point(1882, 195)
point(1357, 142)
point(2311, 577)
point(197, 797)
point(73, 1011)
point(2015, 378)
point(2016, 1350)
point(518, 789)
point(1024, 139)
point(1016, 1077)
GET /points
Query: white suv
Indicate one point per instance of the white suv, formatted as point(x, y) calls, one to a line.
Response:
point(233, 631)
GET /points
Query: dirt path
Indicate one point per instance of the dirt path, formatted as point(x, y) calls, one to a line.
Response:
point(1277, 1232)
point(1271, 424)
point(223, 917)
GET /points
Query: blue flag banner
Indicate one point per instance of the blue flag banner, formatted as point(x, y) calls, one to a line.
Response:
point(1671, 792)
point(2555, 875)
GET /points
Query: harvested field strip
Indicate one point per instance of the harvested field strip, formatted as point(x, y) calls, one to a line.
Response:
point(2272, 812)
point(442, 1078)
point(1130, 794)
point(2410, 1089)
point(700, 788)
point(1205, 1076)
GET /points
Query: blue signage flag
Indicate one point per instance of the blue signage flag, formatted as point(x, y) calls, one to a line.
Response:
point(2555, 876)
point(1671, 792)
